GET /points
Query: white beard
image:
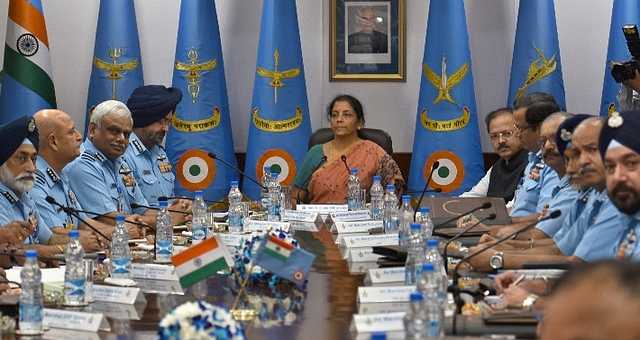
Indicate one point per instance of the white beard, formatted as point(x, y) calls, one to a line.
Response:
point(21, 183)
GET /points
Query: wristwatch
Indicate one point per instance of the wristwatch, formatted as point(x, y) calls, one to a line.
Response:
point(496, 261)
point(529, 301)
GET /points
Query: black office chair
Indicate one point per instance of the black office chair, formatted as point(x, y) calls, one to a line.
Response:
point(380, 137)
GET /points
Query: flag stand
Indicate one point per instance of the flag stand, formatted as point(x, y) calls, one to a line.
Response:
point(243, 314)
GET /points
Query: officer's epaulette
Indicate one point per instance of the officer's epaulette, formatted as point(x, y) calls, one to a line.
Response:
point(585, 198)
point(136, 143)
point(52, 175)
point(162, 147)
point(8, 196)
point(40, 177)
point(88, 155)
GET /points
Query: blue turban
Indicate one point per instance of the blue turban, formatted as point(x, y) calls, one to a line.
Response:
point(149, 104)
point(623, 127)
point(565, 131)
point(14, 133)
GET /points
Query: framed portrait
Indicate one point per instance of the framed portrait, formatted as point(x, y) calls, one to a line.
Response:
point(367, 41)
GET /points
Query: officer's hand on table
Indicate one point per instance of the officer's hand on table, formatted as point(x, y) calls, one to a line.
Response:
point(480, 262)
point(514, 295)
point(16, 232)
point(135, 230)
point(4, 285)
point(466, 221)
point(89, 241)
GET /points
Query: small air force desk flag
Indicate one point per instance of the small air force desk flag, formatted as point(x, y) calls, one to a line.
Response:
point(284, 260)
point(201, 261)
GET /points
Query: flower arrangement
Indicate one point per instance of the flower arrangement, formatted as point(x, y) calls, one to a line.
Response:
point(276, 305)
point(199, 320)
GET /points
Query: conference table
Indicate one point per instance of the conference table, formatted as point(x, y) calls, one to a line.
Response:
point(324, 309)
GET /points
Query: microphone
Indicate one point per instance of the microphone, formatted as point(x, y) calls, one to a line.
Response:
point(344, 160)
point(437, 190)
point(446, 245)
point(435, 165)
point(214, 156)
point(308, 179)
point(136, 205)
point(165, 198)
point(485, 205)
point(72, 212)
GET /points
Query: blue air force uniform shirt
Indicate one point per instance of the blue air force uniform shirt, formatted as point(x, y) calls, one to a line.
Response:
point(14, 208)
point(536, 187)
point(95, 181)
point(151, 168)
point(563, 198)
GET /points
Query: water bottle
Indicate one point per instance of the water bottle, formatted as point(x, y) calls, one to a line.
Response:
point(406, 218)
point(390, 224)
point(164, 234)
point(273, 208)
point(377, 201)
point(199, 222)
point(236, 211)
point(432, 255)
point(353, 196)
point(120, 253)
point(426, 223)
point(415, 252)
point(430, 285)
point(264, 194)
point(74, 275)
point(31, 298)
point(415, 320)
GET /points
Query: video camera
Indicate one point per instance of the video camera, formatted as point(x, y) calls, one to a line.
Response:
point(627, 69)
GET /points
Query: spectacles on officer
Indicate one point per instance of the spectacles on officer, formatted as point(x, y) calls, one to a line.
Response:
point(543, 141)
point(504, 134)
point(522, 129)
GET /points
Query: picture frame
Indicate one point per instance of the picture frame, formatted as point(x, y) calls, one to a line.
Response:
point(367, 40)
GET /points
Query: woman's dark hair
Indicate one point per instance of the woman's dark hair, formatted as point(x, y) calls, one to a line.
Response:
point(355, 104)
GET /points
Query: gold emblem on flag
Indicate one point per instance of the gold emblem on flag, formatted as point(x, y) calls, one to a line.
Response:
point(192, 68)
point(114, 68)
point(197, 125)
point(445, 83)
point(277, 76)
point(277, 125)
point(445, 125)
point(539, 69)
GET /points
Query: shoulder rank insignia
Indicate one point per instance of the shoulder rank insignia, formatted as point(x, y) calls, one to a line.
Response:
point(52, 175)
point(136, 143)
point(8, 196)
point(88, 155)
point(40, 177)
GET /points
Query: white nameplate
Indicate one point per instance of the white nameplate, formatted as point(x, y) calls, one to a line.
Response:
point(153, 271)
point(361, 267)
point(118, 310)
point(81, 321)
point(347, 216)
point(369, 240)
point(304, 226)
point(356, 226)
point(59, 333)
point(299, 215)
point(383, 308)
point(346, 252)
point(255, 225)
point(362, 255)
point(368, 323)
point(322, 208)
point(233, 240)
point(385, 294)
point(125, 295)
point(385, 275)
point(159, 286)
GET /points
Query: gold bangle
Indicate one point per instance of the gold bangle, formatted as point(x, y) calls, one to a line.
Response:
point(60, 248)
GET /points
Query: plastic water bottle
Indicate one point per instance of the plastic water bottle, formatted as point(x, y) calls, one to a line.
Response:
point(74, 275)
point(353, 196)
point(236, 212)
point(432, 255)
point(390, 211)
point(164, 234)
point(264, 194)
point(426, 222)
point(377, 200)
point(406, 218)
point(120, 253)
point(275, 199)
point(199, 222)
point(415, 252)
point(415, 321)
point(31, 298)
point(430, 285)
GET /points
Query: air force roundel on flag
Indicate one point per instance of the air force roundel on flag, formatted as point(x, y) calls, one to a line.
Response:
point(196, 170)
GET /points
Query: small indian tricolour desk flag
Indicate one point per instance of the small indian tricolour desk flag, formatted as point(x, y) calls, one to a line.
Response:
point(284, 260)
point(201, 261)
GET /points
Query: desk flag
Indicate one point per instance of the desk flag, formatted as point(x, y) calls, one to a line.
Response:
point(27, 82)
point(446, 124)
point(625, 12)
point(202, 122)
point(280, 126)
point(198, 262)
point(117, 66)
point(536, 65)
point(283, 259)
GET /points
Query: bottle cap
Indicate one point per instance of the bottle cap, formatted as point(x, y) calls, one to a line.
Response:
point(31, 254)
point(415, 226)
point(425, 210)
point(428, 267)
point(354, 170)
point(432, 243)
point(163, 204)
point(120, 218)
point(274, 175)
point(379, 336)
point(391, 187)
point(406, 198)
point(414, 297)
point(198, 193)
point(234, 183)
point(74, 234)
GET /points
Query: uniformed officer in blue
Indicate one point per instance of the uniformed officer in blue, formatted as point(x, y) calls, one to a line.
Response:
point(18, 155)
point(152, 108)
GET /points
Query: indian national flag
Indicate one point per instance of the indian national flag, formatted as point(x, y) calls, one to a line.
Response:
point(201, 261)
point(278, 248)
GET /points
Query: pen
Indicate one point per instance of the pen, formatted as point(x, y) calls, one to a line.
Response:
point(519, 279)
point(468, 218)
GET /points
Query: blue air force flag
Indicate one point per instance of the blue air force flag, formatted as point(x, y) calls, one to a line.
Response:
point(280, 126)
point(446, 124)
point(283, 259)
point(117, 67)
point(202, 121)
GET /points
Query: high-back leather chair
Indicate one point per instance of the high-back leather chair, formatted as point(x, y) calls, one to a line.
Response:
point(380, 137)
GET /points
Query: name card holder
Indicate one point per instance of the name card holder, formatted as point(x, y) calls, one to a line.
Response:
point(305, 226)
point(356, 226)
point(81, 321)
point(383, 308)
point(369, 323)
point(301, 215)
point(254, 225)
point(159, 286)
point(126, 295)
point(369, 240)
point(385, 294)
point(322, 208)
point(385, 275)
point(349, 216)
point(60, 333)
point(361, 267)
point(164, 272)
point(362, 255)
point(232, 240)
point(119, 310)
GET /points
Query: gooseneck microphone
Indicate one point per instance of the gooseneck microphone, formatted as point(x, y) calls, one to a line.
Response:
point(460, 234)
point(214, 156)
point(485, 205)
point(74, 213)
point(308, 179)
point(136, 205)
point(435, 165)
point(165, 198)
point(344, 160)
